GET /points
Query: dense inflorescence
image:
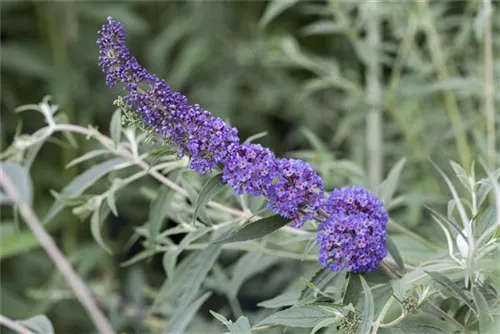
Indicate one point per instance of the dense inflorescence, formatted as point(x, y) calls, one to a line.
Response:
point(351, 236)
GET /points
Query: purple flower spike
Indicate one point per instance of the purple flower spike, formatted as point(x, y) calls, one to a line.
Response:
point(352, 222)
point(298, 191)
point(353, 237)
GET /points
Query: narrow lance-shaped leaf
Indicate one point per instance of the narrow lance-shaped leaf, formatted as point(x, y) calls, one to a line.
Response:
point(157, 213)
point(95, 226)
point(368, 310)
point(211, 188)
point(306, 316)
point(183, 316)
point(256, 229)
point(353, 290)
point(115, 126)
point(84, 181)
point(241, 326)
point(387, 188)
point(447, 283)
point(320, 281)
point(396, 255)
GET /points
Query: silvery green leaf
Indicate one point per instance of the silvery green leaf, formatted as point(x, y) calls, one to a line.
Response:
point(211, 188)
point(447, 283)
point(285, 299)
point(387, 188)
point(306, 316)
point(248, 265)
point(323, 27)
point(462, 175)
point(21, 181)
point(368, 309)
point(318, 282)
point(396, 255)
point(256, 229)
point(40, 324)
point(483, 310)
point(87, 156)
point(84, 181)
point(256, 136)
point(197, 273)
point(219, 317)
point(115, 126)
point(183, 315)
point(412, 328)
point(352, 290)
point(325, 323)
point(158, 211)
point(273, 9)
point(95, 226)
point(241, 326)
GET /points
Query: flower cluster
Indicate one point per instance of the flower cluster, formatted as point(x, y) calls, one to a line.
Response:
point(353, 237)
point(298, 192)
point(353, 234)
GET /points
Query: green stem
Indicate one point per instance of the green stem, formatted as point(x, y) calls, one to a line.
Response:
point(373, 97)
point(489, 107)
point(403, 230)
point(450, 101)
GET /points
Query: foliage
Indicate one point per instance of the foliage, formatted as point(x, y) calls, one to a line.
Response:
point(164, 249)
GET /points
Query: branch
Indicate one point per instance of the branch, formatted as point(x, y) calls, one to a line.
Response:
point(15, 326)
point(74, 281)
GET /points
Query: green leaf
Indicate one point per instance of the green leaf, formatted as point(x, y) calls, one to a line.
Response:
point(387, 188)
point(275, 8)
point(20, 179)
point(352, 290)
point(285, 299)
point(323, 27)
point(219, 317)
point(158, 211)
point(241, 326)
point(83, 181)
point(306, 316)
point(14, 242)
point(39, 324)
point(368, 309)
point(462, 175)
point(87, 156)
point(248, 265)
point(396, 255)
point(256, 229)
point(412, 328)
point(95, 228)
point(327, 322)
point(197, 273)
point(211, 188)
point(447, 283)
point(183, 316)
point(319, 281)
point(115, 126)
point(483, 310)
point(255, 137)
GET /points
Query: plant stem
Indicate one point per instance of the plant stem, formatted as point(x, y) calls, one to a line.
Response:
point(108, 143)
point(64, 267)
point(489, 107)
point(15, 326)
point(373, 97)
point(450, 101)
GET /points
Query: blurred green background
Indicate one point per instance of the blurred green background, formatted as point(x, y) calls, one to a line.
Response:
point(298, 71)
